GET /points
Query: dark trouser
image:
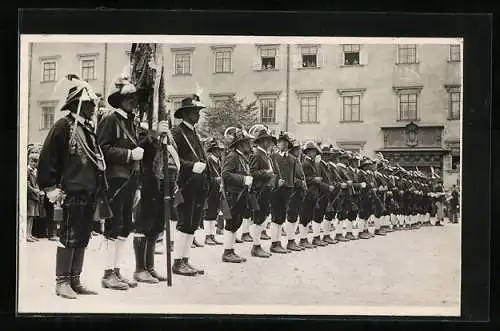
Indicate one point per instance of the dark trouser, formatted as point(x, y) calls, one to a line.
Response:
point(279, 204)
point(190, 212)
point(307, 211)
point(366, 207)
point(295, 205)
point(320, 209)
point(348, 209)
point(120, 225)
point(150, 218)
point(213, 204)
point(264, 200)
point(238, 208)
point(51, 225)
point(76, 226)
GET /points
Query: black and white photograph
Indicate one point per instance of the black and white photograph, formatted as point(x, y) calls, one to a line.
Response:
point(195, 174)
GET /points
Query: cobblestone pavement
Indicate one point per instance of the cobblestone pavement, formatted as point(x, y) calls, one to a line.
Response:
point(415, 268)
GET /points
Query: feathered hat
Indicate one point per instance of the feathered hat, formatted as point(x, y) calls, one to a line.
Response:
point(121, 88)
point(80, 90)
point(261, 132)
point(311, 145)
point(212, 144)
point(190, 103)
point(235, 135)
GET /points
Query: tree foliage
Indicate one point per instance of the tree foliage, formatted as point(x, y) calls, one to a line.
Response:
point(232, 112)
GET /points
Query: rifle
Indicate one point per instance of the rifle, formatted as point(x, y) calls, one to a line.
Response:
point(226, 211)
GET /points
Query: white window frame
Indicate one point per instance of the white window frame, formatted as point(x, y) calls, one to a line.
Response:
point(309, 94)
point(47, 104)
point(260, 49)
point(301, 55)
point(352, 92)
point(42, 69)
point(451, 89)
point(268, 96)
point(180, 52)
point(87, 57)
point(223, 48)
point(220, 97)
point(344, 47)
point(398, 47)
point(450, 57)
point(408, 91)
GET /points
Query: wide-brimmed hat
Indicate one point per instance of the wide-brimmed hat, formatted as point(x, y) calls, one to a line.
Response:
point(121, 88)
point(311, 145)
point(261, 132)
point(81, 90)
point(325, 148)
point(286, 137)
point(190, 103)
point(365, 161)
point(236, 135)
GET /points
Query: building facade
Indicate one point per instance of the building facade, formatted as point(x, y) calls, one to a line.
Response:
point(403, 101)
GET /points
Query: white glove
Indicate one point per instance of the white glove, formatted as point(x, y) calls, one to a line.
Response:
point(331, 188)
point(144, 125)
point(343, 185)
point(163, 127)
point(54, 195)
point(199, 167)
point(248, 180)
point(137, 197)
point(137, 154)
point(281, 182)
point(363, 185)
point(349, 182)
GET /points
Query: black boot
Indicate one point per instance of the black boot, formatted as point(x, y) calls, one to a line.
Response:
point(292, 246)
point(277, 248)
point(111, 281)
point(141, 274)
point(131, 283)
point(329, 240)
point(364, 235)
point(246, 237)
point(340, 238)
point(64, 258)
point(264, 236)
point(76, 270)
point(257, 251)
point(197, 270)
point(210, 240)
point(318, 242)
point(180, 268)
point(349, 236)
point(150, 260)
point(230, 257)
point(305, 244)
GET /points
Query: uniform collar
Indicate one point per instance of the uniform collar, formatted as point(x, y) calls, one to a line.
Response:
point(122, 113)
point(307, 157)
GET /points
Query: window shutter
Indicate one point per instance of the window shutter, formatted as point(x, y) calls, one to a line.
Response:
point(320, 59)
point(416, 53)
point(396, 54)
point(277, 60)
point(363, 57)
point(257, 62)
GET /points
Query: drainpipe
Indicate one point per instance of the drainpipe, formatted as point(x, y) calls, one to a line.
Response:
point(105, 70)
point(287, 85)
point(30, 66)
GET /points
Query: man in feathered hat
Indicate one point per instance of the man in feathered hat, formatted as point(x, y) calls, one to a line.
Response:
point(194, 180)
point(313, 182)
point(264, 182)
point(237, 183)
point(150, 216)
point(367, 199)
point(116, 134)
point(285, 164)
point(298, 194)
point(214, 152)
point(71, 172)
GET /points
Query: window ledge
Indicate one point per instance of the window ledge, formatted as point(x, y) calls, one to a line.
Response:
point(264, 70)
point(454, 61)
point(352, 65)
point(182, 74)
point(302, 122)
point(47, 81)
point(360, 121)
point(412, 63)
point(409, 120)
point(453, 118)
point(270, 123)
point(223, 72)
point(308, 68)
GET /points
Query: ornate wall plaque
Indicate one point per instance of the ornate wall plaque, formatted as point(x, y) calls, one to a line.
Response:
point(412, 134)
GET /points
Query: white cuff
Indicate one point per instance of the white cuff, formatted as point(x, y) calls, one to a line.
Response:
point(248, 180)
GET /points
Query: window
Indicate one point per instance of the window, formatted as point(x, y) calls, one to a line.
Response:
point(408, 106)
point(454, 105)
point(351, 55)
point(309, 56)
point(454, 53)
point(268, 110)
point(455, 162)
point(220, 100)
point(309, 109)
point(49, 69)
point(351, 108)
point(223, 60)
point(182, 63)
point(268, 58)
point(407, 54)
point(88, 68)
point(48, 114)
